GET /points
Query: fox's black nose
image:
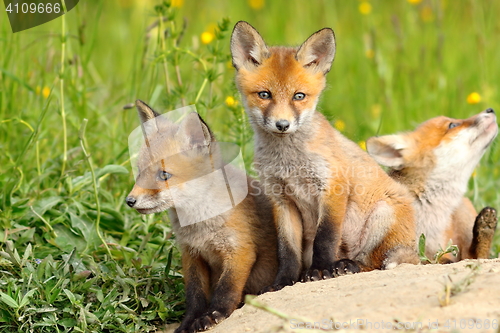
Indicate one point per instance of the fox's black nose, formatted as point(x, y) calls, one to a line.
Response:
point(490, 110)
point(282, 125)
point(130, 201)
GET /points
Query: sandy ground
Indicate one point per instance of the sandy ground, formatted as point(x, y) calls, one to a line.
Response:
point(382, 301)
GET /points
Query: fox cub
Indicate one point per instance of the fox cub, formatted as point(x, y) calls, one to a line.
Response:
point(435, 162)
point(223, 257)
point(337, 211)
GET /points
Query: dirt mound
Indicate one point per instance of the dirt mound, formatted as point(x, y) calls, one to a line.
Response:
point(463, 297)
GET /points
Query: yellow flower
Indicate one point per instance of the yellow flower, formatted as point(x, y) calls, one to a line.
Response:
point(339, 124)
point(230, 101)
point(414, 2)
point(45, 92)
point(256, 4)
point(362, 144)
point(473, 98)
point(177, 3)
point(426, 14)
point(474, 174)
point(365, 8)
point(207, 37)
point(370, 53)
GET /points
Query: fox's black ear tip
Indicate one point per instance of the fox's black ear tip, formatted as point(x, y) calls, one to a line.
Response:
point(138, 102)
point(243, 25)
point(328, 31)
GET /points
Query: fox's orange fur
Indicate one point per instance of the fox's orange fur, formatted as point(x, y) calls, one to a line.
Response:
point(435, 162)
point(224, 256)
point(336, 209)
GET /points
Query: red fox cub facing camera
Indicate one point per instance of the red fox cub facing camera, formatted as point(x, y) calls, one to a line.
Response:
point(223, 256)
point(337, 211)
point(435, 162)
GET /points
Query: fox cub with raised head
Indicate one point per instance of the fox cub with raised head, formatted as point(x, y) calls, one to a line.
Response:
point(435, 162)
point(337, 211)
point(224, 256)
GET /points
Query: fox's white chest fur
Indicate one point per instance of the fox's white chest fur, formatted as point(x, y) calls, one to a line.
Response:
point(206, 236)
point(288, 170)
point(433, 209)
point(443, 192)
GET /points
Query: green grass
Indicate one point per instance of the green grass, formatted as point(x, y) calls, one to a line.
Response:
point(395, 67)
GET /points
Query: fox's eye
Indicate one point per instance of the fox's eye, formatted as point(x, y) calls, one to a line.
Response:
point(299, 96)
point(265, 95)
point(163, 175)
point(453, 125)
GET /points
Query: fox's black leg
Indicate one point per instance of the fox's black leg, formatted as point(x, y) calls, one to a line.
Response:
point(197, 278)
point(228, 292)
point(325, 251)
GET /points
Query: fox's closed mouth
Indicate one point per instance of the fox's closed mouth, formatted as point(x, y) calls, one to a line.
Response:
point(280, 135)
point(150, 210)
point(486, 132)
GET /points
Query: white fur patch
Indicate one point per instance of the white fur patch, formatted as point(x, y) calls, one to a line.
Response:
point(391, 265)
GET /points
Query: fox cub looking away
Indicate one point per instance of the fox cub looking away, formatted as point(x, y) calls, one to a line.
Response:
point(336, 209)
point(435, 162)
point(223, 257)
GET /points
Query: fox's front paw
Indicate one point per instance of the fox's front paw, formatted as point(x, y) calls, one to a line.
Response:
point(345, 266)
point(316, 275)
point(207, 321)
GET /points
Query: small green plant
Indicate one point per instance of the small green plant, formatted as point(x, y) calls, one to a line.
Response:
point(452, 288)
point(450, 248)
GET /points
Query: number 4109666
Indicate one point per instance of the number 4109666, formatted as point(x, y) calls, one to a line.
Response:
point(34, 8)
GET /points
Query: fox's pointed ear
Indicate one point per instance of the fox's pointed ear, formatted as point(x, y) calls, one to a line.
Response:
point(318, 51)
point(195, 132)
point(248, 49)
point(388, 150)
point(145, 111)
